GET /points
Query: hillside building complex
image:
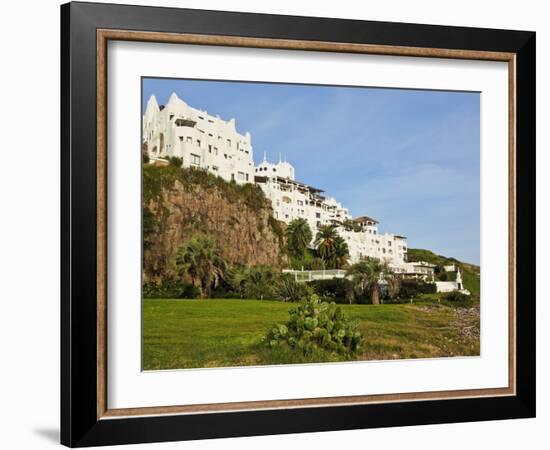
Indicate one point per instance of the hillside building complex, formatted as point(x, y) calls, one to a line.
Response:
point(208, 142)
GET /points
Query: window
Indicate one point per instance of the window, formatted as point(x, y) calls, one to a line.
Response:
point(318, 215)
point(229, 142)
point(188, 139)
point(209, 148)
point(246, 177)
point(215, 168)
point(181, 138)
point(171, 117)
point(195, 160)
point(198, 143)
point(216, 151)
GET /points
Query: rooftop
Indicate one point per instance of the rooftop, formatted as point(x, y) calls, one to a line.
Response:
point(364, 219)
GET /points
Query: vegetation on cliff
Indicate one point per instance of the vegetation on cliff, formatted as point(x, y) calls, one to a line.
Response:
point(181, 203)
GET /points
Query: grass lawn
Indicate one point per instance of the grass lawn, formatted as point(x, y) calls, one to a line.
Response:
point(214, 333)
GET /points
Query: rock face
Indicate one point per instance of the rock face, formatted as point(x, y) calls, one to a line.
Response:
point(182, 203)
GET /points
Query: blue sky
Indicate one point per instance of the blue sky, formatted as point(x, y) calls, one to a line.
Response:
point(408, 158)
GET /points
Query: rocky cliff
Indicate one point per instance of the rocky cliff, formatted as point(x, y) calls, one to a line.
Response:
point(180, 203)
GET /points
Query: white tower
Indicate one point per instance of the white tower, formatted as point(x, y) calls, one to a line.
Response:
point(459, 285)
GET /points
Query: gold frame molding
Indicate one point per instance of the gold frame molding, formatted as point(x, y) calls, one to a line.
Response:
point(104, 35)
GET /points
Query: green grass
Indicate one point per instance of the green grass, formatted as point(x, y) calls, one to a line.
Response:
point(216, 333)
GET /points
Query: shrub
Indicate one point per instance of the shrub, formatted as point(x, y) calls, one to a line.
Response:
point(175, 161)
point(289, 290)
point(336, 289)
point(314, 326)
point(455, 296)
point(256, 282)
point(413, 288)
point(170, 289)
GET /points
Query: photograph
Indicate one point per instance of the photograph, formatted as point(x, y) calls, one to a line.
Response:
point(298, 223)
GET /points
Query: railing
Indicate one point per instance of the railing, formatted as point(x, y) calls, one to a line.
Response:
point(301, 276)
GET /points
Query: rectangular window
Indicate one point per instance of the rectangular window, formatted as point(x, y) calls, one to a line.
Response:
point(240, 176)
point(246, 177)
point(198, 143)
point(216, 151)
point(229, 142)
point(209, 148)
point(318, 215)
point(188, 139)
point(195, 160)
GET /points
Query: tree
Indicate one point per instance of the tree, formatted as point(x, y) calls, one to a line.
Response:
point(365, 276)
point(325, 244)
point(298, 237)
point(341, 252)
point(200, 258)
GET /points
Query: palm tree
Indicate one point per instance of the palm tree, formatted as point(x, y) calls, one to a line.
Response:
point(201, 259)
point(365, 276)
point(298, 236)
point(324, 242)
point(341, 252)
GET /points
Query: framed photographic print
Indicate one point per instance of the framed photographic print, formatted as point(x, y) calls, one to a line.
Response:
point(276, 224)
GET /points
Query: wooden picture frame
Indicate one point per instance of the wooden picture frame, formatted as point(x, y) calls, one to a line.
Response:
point(86, 418)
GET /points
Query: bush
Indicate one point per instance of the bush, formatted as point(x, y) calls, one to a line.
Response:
point(170, 289)
point(336, 289)
point(258, 282)
point(455, 296)
point(315, 326)
point(413, 288)
point(289, 290)
point(175, 161)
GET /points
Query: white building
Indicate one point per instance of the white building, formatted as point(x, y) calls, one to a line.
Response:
point(292, 199)
point(367, 241)
point(450, 286)
point(419, 270)
point(200, 139)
